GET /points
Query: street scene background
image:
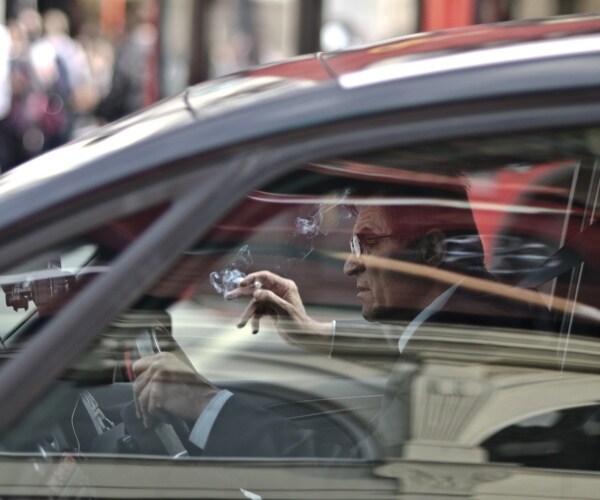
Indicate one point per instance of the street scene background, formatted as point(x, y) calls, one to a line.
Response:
point(70, 66)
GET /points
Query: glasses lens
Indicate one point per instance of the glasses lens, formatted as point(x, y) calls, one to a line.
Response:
point(355, 246)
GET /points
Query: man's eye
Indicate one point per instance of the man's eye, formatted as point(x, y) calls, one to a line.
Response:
point(368, 243)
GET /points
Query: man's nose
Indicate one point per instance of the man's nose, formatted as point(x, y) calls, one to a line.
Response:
point(353, 265)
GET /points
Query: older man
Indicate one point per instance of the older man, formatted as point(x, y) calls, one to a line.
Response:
point(399, 260)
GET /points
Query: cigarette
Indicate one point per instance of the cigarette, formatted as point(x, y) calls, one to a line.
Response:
point(255, 284)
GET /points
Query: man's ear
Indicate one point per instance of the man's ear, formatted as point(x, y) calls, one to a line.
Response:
point(432, 248)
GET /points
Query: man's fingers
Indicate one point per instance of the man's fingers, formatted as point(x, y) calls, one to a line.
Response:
point(141, 365)
point(265, 278)
point(257, 281)
point(151, 400)
point(166, 387)
point(142, 399)
point(247, 286)
point(139, 384)
point(271, 295)
point(256, 321)
point(136, 399)
point(241, 291)
point(267, 297)
point(247, 314)
point(265, 302)
point(144, 370)
point(156, 404)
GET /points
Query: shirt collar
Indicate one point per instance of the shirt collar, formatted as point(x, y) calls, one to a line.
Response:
point(436, 305)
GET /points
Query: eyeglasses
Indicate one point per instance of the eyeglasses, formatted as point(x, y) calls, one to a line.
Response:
point(356, 245)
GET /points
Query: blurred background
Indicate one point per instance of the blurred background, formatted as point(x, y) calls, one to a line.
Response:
point(69, 66)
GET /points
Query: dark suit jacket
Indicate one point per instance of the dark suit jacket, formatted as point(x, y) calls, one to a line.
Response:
point(244, 429)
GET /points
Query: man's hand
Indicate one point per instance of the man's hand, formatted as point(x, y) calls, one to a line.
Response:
point(165, 385)
point(279, 298)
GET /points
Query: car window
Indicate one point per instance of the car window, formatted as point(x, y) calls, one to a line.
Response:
point(39, 287)
point(559, 439)
point(503, 293)
point(419, 303)
point(25, 286)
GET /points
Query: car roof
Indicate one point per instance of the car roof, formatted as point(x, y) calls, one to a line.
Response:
point(296, 93)
point(431, 45)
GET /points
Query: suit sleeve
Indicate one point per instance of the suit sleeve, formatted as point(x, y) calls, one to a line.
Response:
point(244, 429)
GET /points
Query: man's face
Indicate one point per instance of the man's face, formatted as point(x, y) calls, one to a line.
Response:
point(383, 293)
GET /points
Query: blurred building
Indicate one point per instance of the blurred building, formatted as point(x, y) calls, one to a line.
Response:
point(228, 35)
point(200, 39)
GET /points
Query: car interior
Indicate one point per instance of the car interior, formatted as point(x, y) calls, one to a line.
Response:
point(535, 204)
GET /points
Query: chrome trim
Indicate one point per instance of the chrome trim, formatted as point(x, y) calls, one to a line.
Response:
point(517, 53)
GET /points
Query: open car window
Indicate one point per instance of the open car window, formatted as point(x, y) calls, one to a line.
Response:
point(415, 304)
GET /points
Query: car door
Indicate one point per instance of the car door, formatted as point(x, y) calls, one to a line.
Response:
point(416, 420)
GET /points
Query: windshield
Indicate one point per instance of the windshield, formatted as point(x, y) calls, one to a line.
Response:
point(39, 287)
point(39, 281)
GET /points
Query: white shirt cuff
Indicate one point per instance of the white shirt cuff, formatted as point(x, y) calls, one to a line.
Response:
point(206, 420)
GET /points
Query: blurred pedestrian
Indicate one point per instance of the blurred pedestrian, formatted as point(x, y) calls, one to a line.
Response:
point(5, 89)
point(5, 94)
point(84, 92)
point(31, 21)
point(101, 56)
point(38, 119)
point(52, 92)
point(22, 127)
point(131, 75)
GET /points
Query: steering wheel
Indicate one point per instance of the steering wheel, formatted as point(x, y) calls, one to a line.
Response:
point(167, 436)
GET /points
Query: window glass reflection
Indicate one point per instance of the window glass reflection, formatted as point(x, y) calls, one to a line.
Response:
point(434, 305)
